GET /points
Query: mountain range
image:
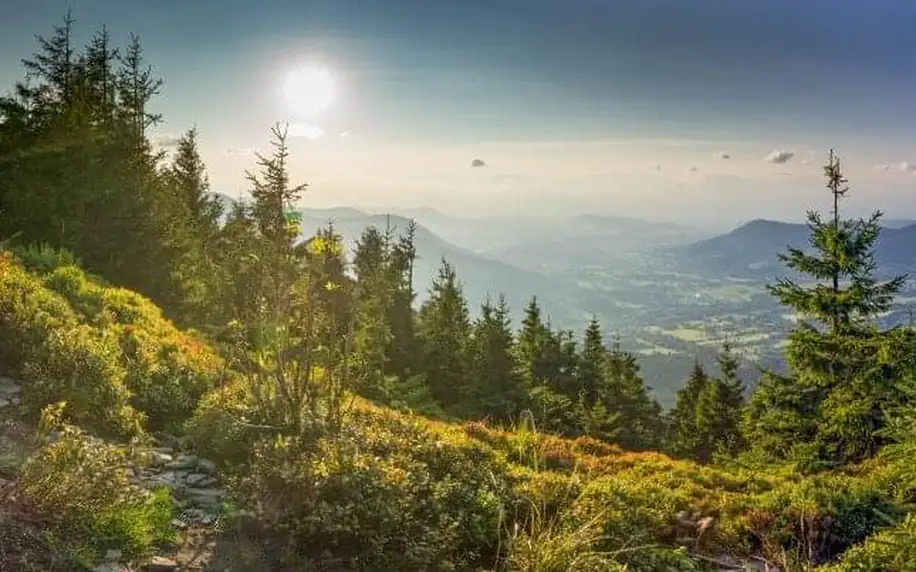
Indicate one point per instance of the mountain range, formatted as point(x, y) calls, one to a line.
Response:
point(752, 250)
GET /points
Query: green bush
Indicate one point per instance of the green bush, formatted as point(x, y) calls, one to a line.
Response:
point(82, 366)
point(108, 352)
point(337, 506)
point(889, 549)
point(81, 487)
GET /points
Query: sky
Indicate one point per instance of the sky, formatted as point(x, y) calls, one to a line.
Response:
point(704, 111)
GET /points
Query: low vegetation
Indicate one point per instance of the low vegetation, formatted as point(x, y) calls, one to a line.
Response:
point(350, 430)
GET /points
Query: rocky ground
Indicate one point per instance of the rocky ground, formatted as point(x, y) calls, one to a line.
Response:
point(192, 481)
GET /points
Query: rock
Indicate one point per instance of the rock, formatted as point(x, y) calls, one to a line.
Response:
point(158, 458)
point(5, 403)
point(183, 462)
point(200, 480)
point(179, 524)
point(170, 479)
point(112, 555)
point(161, 564)
point(206, 466)
point(111, 567)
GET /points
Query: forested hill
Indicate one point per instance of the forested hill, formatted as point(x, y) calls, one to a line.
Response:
point(182, 386)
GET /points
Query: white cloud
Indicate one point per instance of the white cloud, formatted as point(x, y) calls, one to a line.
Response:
point(723, 155)
point(780, 156)
point(906, 167)
point(478, 163)
point(240, 151)
point(166, 141)
point(306, 130)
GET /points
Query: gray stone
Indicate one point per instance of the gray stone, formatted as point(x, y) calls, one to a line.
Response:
point(179, 524)
point(200, 480)
point(111, 567)
point(5, 403)
point(158, 458)
point(183, 462)
point(170, 479)
point(161, 564)
point(207, 466)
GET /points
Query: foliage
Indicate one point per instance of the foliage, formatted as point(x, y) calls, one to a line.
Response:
point(82, 487)
point(120, 365)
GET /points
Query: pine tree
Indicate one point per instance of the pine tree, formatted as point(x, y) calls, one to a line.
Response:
point(194, 225)
point(684, 423)
point(373, 292)
point(498, 392)
point(592, 365)
point(832, 404)
point(640, 422)
point(403, 348)
point(445, 334)
point(721, 404)
point(536, 350)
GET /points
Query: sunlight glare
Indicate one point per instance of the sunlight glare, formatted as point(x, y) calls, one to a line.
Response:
point(309, 90)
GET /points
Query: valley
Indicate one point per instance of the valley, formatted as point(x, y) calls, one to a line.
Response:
point(671, 294)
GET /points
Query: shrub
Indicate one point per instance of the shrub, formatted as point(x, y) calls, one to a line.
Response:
point(340, 507)
point(80, 365)
point(43, 258)
point(889, 549)
point(107, 351)
point(81, 486)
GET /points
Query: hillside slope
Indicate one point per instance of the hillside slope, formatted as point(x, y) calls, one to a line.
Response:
point(393, 490)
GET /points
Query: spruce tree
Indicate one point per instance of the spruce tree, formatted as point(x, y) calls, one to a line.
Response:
point(831, 406)
point(498, 393)
point(445, 334)
point(536, 350)
point(592, 364)
point(684, 424)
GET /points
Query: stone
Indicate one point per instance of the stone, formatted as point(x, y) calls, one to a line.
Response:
point(5, 402)
point(158, 458)
point(179, 524)
point(112, 555)
point(170, 479)
point(200, 480)
point(206, 466)
point(183, 462)
point(111, 567)
point(161, 564)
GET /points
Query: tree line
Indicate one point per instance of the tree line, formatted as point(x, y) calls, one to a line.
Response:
point(310, 324)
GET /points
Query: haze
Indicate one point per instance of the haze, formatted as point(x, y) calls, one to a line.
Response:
point(703, 111)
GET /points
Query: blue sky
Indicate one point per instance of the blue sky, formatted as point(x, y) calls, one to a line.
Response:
point(575, 105)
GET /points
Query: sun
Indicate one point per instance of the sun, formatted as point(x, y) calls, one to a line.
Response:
point(310, 89)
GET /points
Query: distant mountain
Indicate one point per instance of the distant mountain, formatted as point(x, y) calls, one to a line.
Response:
point(753, 249)
point(479, 275)
point(897, 222)
point(595, 240)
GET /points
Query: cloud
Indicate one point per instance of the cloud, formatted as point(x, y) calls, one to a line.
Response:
point(780, 156)
point(906, 167)
point(478, 163)
point(693, 169)
point(166, 141)
point(306, 130)
point(241, 151)
point(723, 155)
